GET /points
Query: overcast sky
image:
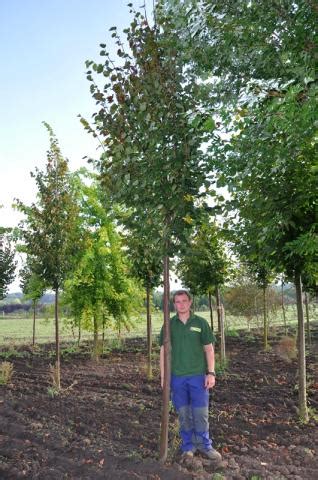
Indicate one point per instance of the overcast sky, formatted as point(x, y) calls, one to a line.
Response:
point(43, 48)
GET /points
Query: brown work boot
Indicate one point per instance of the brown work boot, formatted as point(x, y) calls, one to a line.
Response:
point(187, 454)
point(211, 454)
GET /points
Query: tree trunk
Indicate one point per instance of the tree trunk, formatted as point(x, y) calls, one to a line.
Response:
point(265, 319)
point(95, 342)
point(211, 311)
point(72, 328)
point(79, 331)
point(307, 319)
point(57, 342)
point(33, 328)
point(167, 365)
point(219, 307)
point(222, 333)
point(103, 334)
point(149, 334)
point(256, 310)
point(302, 394)
point(284, 309)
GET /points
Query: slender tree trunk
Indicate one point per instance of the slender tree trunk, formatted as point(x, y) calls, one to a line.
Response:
point(224, 319)
point(57, 341)
point(221, 325)
point(72, 328)
point(103, 334)
point(149, 334)
point(265, 319)
point(307, 319)
point(256, 309)
point(211, 311)
point(33, 328)
point(284, 308)
point(79, 331)
point(222, 333)
point(167, 365)
point(302, 394)
point(95, 343)
point(218, 307)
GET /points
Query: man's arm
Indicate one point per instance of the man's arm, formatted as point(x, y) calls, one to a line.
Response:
point(209, 355)
point(162, 364)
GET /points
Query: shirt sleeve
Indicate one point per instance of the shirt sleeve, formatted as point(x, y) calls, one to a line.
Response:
point(207, 336)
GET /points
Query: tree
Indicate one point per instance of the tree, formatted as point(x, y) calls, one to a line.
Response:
point(277, 193)
point(245, 45)
point(101, 290)
point(50, 231)
point(243, 298)
point(7, 262)
point(33, 288)
point(204, 267)
point(262, 58)
point(147, 267)
point(152, 129)
point(257, 261)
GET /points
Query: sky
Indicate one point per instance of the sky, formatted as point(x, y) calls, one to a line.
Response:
point(43, 48)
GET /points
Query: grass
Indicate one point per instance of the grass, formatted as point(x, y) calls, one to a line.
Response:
point(6, 372)
point(19, 330)
point(15, 330)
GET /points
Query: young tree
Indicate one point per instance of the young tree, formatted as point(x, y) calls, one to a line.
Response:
point(204, 267)
point(258, 262)
point(270, 168)
point(152, 129)
point(50, 231)
point(33, 288)
point(263, 62)
point(146, 265)
point(244, 298)
point(100, 287)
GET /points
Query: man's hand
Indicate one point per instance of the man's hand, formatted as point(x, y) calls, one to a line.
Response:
point(209, 354)
point(209, 381)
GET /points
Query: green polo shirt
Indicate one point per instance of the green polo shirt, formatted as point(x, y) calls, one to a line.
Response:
point(187, 342)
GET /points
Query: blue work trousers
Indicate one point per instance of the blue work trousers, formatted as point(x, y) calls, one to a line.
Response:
point(191, 400)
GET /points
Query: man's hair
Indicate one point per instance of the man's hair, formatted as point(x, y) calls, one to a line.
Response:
point(181, 292)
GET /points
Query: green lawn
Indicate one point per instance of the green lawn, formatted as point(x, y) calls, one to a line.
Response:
point(19, 330)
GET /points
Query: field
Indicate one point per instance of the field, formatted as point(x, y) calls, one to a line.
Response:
point(105, 424)
point(15, 330)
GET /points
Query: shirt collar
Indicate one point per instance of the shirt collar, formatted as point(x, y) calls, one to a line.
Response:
point(188, 321)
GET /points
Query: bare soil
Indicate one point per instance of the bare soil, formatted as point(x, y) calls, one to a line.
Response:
point(106, 423)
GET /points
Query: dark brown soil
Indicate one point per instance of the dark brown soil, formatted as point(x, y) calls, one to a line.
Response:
point(106, 425)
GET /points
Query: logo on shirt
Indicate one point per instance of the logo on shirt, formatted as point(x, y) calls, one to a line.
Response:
point(195, 329)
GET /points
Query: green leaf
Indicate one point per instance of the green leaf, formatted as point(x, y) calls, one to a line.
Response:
point(209, 125)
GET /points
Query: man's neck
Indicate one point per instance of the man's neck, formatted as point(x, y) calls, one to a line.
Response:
point(184, 317)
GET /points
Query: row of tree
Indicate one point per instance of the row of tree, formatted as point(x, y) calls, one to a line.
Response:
point(207, 120)
point(216, 94)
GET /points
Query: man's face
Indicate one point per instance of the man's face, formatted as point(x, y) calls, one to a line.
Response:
point(182, 303)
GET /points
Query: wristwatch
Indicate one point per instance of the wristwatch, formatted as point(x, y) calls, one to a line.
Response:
point(211, 373)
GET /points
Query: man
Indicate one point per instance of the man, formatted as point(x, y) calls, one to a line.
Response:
point(192, 375)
